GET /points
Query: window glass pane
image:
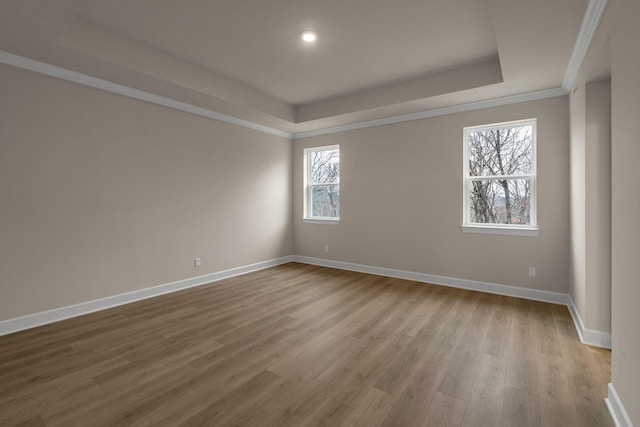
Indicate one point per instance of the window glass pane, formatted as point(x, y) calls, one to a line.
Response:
point(325, 201)
point(500, 201)
point(324, 166)
point(504, 151)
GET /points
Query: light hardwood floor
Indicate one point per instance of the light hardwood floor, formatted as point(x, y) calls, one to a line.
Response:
point(298, 345)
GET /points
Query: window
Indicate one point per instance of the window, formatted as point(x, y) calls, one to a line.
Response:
point(322, 184)
point(500, 178)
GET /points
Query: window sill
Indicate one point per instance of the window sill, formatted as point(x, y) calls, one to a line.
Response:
point(331, 221)
point(509, 231)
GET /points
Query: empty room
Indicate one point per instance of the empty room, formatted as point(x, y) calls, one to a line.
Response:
point(330, 213)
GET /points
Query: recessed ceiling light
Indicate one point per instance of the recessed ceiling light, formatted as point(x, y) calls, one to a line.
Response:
point(308, 36)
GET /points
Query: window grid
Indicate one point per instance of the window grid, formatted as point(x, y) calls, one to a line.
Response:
point(518, 177)
point(322, 184)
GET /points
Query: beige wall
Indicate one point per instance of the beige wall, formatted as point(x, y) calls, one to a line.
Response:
point(577, 276)
point(590, 274)
point(625, 238)
point(598, 206)
point(102, 194)
point(619, 29)
point(401, 201)
point(590, 124)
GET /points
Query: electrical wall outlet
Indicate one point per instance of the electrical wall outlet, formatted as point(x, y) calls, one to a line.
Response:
point(326, 248)
point(532, 272)
point(197, 262)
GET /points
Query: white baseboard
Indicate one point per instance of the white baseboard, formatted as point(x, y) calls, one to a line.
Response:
point(474, 285)
point(616, 409)
point(32, 320)
point(588, 336)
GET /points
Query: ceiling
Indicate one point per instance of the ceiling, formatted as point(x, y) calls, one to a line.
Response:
point(244, 58)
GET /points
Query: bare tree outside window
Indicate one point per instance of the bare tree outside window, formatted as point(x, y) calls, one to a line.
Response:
point(500, 173)
point(323, 182)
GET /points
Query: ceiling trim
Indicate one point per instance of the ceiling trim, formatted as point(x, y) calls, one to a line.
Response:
point(592, 17)
point(97, 83)
point(595, 10)
point(478, 105)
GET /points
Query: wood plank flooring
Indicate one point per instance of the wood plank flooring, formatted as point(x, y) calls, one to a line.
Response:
point(299, 345)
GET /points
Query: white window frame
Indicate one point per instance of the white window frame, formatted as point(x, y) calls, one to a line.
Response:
point(508, 229)
point(307, 218)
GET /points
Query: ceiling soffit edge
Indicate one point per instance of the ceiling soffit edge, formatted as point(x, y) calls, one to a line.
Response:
point(460, 108)
point(593, 15)
point(457, 79)
point(97, 83)
point(592, 18)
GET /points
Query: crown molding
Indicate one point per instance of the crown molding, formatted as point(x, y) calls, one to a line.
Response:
point(97, 83)
point(478, 105)
point(592, 17)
